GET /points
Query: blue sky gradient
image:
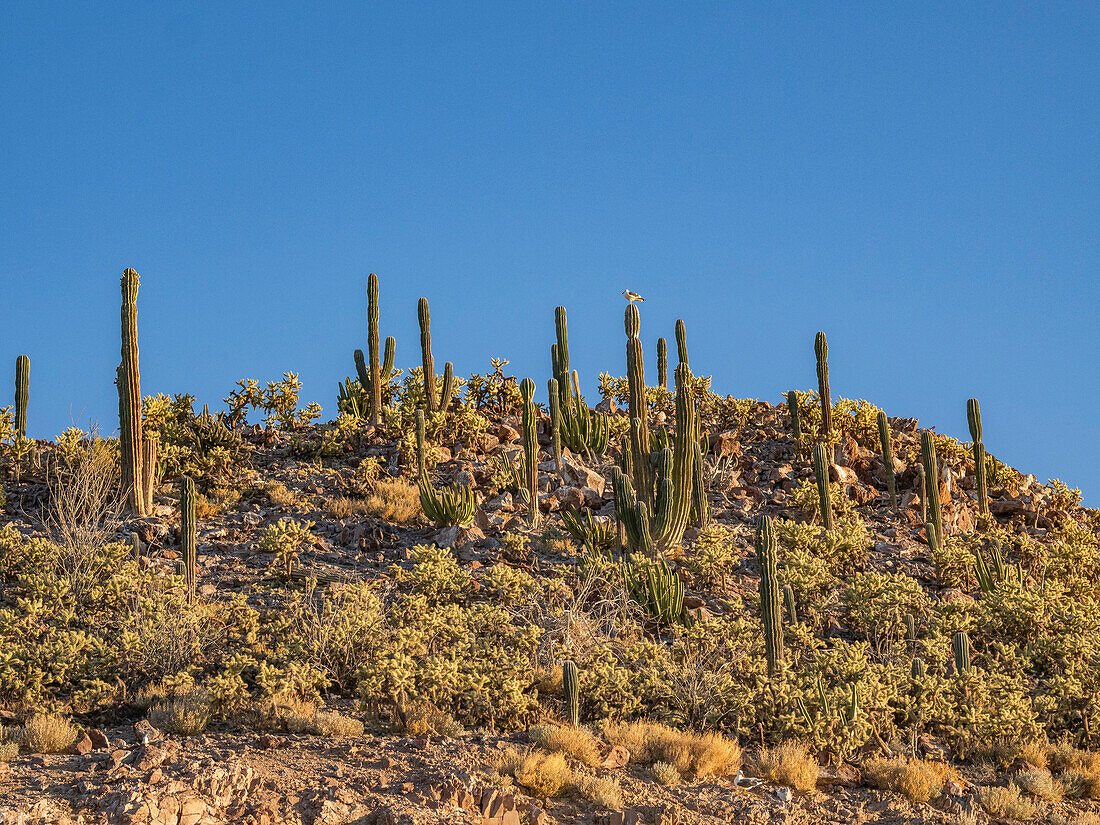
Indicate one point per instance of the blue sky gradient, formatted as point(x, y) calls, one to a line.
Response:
point(918, 180)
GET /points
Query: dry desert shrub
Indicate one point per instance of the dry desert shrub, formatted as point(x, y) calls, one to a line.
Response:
point(1040, 783)
point(185, 713)
point(665, 774)
point(544, 774)
point(692, 754)
point(916, 780)
point(789, 764)
point(577, 743)
point(334, 725)
point(342, 507)
point(603, 790)
point(395, 501)
point(1005, 803)
point(48, 733)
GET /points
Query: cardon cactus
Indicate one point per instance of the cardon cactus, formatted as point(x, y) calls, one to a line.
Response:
point(530, 446)
point(769, 594)
point(638, 409)
point(789, 606)
point(375, 375)
point(662, 363)
point(681, 341)
point(22, 394)
point(700, 507)
point(582, 431)
point(932, 483)
point(555, 421)
point(129, 398)
point(821, 349)
point(974, 419)
point(821, 474)
point(187, 534)
point(570, 683)
point(960, 644)
point(796, 418)
point(888, 457)
point(149, 469)
point(428, 363)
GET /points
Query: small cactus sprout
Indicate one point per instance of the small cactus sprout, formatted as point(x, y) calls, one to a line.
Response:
point(853, 704)
point(796, 421)
point(129, 398)
point(974, 419)
point(662, 363)
point(821, 348)
point(888, 457)
point(187, 534)
point(530, 446)
point(932, 483)
point(960, 643)
point(22, 394)
point(821, 473)
point(571, 687)
point(431, 399)
point(135, 546)
point(769, 594)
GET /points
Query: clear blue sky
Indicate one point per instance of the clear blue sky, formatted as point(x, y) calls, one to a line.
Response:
point(917, 179)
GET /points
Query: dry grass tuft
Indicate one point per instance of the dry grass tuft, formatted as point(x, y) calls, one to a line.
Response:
point(334, 725)
point(916, 780)
point(578, 743)
point(544, 774)
point(789, 764)
point(48, 733)
point(422, 718)
point(395, 501)
point(1005, 803)
point(1080, 770)
point(697, 755)
point(1040, 783)
point(666, 774)
point(603, 790)
point(344, 507)
point(184, 713)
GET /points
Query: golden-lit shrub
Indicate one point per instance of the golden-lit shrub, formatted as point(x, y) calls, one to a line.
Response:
point(185, 713)
point(790, 764)
point(48, 733)
point(916, 780)
point(395, 500)
point(577, 743)
point(1005, 803)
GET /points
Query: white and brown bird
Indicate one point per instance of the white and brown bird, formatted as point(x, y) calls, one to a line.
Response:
point(632, 296)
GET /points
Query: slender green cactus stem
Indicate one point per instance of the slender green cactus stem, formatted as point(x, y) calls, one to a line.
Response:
point(789, 604)
point(821, 474)
point(22, 394)
point(187, 534)
point(149, 470)
point(700, 507)
point(555, 421)
point(918, 671)
point(129, 389)
point(932, 483)
point(421, 461)
point(796, 418)
point(530, 446)
point(361, 371)
point(960, 644)
point(910, 627)
point(431, 398)
point(821, 349)
point(662, 363)
point(561, 328)
point(375, 375)
point(888, 457)
point(974, 419)
point(638, 409)
point(135, 546)
point(681, 341)
point(770, 612)
point(571, 687)
point(447, 393)
point(853, 704)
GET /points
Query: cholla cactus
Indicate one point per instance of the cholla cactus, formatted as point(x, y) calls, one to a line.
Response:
point(932, 484)
point(22, 393)
point(187, 534)
point(821, 473)
point(530, 447)
point(888, 457)
point(129, 398)
point(769, 594)
point(571, 687)
point(974, 419)
point(821, 349)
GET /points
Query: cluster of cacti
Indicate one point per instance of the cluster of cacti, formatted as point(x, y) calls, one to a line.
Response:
point(821, 475)
point(770, 613)
point(129, 399)
point(530, 447)
point(597, 536)
point(821, 348)
point(796, 420)
point(932, 487)
point(449, 506)
point(974, 419)
point(570, 684)
point(187, 534)
point(581, 430)
point(379, 374)
point(960, 644)
point(441, 400)
point(888, 457)
point(657, 588)
point(22, 394)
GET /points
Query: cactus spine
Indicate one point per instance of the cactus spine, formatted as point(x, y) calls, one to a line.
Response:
point(888, 457)
point(431, 399)
point(555, 421)
point(571, 687)
point(821, 473)
point(22, 394)
point(796, 420)
point(129, 398)
point(974, 419)
point(769, 594)
point(821, 348)
point(960, 643)
point(187, 534)
point(530, 446)
point(662, 363)
point(932, 484)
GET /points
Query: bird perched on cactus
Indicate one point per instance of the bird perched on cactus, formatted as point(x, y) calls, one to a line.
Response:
point(632, 296)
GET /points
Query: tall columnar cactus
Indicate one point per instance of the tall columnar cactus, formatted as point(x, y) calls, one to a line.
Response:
point(681, 341)
point(932, 483)
point(700, 507)
point(888, 457)
point(960, 644)
point(821, 348)
point(662, 363)
point(375, 388)
point(431, 399)
point(149, 470)
point(530, 446)
point(22, 394)
point(187, 534)
point(974, 419)
point(821, 473)
point(555, 421)
point(638, 409)
point(796, 418)
point(910, 627)
point(770, 611)
point(129, 394)
point(789, 606)
point(572, 690)
point(448, 391)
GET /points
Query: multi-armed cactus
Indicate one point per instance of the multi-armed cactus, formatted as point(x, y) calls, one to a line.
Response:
point(662, 363)
point(129, 399)
point(187, 534)
point(888, 457)
point(974, 419)
point(932, 484)
point(796, 418)
point(22, 394)
point(434, 401)
point(530, 447)
point(960, 644)
point(449, 506)
point(821, 349)
point(571, 688)
point(770, 611)
point(821, 474)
